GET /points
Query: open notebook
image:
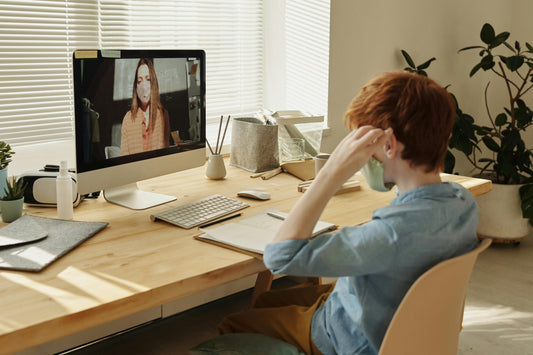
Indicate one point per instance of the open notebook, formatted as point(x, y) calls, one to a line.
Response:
point(253, 233)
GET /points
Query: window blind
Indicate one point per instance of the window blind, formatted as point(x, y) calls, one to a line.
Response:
point(35, 88)
point(307, 50)
point(37, 38)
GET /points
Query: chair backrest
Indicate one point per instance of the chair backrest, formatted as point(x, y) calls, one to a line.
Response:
point(429, 318)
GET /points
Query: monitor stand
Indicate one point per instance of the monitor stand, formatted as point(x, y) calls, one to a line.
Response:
point(131, 197)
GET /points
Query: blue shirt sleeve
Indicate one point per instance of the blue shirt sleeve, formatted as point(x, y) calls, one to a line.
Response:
point(351, 251)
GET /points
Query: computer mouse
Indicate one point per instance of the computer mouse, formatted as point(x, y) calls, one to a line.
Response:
point(254, 194)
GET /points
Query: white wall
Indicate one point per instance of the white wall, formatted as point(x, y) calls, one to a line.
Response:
point(522, 30)
point(367, 36)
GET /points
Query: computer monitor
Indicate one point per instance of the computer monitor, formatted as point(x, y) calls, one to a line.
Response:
point(139, 114)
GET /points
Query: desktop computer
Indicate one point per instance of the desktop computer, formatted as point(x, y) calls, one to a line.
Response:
point(139, 114)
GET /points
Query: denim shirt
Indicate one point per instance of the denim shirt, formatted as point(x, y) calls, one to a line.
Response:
point(378, 261)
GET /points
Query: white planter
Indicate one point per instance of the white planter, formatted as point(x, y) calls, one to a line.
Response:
point(500, 215)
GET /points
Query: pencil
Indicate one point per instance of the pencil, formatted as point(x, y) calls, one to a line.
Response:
point(224, 135)
point(219, 128)
point(209, 145)
point(219, 220)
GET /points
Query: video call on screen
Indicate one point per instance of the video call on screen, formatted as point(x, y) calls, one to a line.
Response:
point(105, 91)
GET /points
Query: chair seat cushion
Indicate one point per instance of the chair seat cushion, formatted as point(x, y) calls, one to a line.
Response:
point(244, 343)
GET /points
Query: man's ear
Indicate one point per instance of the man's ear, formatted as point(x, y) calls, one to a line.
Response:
point(392, 147)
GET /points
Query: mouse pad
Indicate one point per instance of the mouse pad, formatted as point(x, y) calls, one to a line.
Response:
point(63, 236)
point(23, 230)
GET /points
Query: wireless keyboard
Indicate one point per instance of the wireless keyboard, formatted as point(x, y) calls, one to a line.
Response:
point(201, 211)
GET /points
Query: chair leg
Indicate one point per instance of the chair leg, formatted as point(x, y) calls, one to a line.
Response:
point(262, 284)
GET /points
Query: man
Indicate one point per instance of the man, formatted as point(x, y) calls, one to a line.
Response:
point(401, 123)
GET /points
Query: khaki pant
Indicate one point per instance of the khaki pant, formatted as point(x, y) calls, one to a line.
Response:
point(282, 314)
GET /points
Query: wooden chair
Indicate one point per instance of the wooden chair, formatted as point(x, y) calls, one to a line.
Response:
point(429, 318)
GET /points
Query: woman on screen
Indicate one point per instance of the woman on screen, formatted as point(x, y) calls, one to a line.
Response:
point(145, 126)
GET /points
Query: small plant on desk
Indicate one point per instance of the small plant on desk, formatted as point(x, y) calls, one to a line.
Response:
point(13, 200)
point(5, 154)
point(14, 190)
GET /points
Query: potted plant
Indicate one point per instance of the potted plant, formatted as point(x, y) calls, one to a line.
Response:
point(13, 199)
point(510, 161)
point(5, 158)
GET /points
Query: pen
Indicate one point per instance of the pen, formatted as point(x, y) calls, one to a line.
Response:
point(219, 220)
point(275, 215)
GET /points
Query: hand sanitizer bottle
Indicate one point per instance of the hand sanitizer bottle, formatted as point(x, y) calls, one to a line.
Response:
point(64, 196)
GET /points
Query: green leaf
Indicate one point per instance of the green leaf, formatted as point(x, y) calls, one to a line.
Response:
point(14, 189)
point(464, 146)
point(523, 114)
point(483, 130)
point(529, 46)
point(487, 34)
point(475, 69)
point(484, 160)
point(449, 162)
point(517, 45)
point(510, 140)
point(426, 64)
point(408, 59)
point(472, 47)
point(509, 46)
point(526, 196)
point(486, 167)
point(508, 111)
point(499, 39)
point(491, 144)
point(514, 62)
point(487, 62)
point(506, 166)
point(501, 119)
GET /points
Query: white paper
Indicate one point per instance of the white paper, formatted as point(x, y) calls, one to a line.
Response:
point(255, 232)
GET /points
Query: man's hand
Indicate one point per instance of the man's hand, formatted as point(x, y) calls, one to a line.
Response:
point(352, 154)
point(349, 156)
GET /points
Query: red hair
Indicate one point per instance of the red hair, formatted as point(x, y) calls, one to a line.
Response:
point(420, 112)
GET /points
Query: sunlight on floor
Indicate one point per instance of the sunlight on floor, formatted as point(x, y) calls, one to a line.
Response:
point(495, 329)
point(493, 315)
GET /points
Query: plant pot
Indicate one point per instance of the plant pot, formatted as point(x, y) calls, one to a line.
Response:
point(3, 177)
point(12, 209)
point(500, 215)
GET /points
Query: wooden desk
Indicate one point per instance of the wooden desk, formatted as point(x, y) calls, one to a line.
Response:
point(135, 264)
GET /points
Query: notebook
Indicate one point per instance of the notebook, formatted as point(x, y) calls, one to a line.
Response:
point(253, 233)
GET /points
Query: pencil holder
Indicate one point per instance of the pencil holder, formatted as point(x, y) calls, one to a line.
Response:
point(216, 169)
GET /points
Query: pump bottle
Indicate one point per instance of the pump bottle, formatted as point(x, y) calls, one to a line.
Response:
point(64, 193)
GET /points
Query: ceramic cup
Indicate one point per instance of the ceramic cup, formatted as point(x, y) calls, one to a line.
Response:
point(216, 169)
point(320, 160)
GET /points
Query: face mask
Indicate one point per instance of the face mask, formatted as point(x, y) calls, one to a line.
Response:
point(143, 92)
point(373, 172)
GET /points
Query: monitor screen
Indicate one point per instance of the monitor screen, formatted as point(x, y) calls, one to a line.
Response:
point(138, 114)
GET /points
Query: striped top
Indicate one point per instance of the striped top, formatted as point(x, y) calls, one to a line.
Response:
point(137, 137)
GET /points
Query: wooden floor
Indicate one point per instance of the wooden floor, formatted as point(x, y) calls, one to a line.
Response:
point(498, 315)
